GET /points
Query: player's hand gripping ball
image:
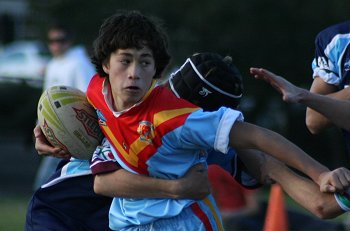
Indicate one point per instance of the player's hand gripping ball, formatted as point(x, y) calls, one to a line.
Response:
point(68, 121)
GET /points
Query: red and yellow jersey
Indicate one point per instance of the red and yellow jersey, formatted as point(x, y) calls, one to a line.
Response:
point(137, 133)
point(162, 136)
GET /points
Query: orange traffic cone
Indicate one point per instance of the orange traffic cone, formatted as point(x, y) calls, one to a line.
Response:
point(276, 215)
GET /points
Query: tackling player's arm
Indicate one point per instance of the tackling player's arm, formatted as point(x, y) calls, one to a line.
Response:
point(121, 183)
point(248, 136)
point(315, 121)
point(304, 191)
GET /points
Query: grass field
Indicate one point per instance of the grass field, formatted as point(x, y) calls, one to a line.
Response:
point(13, 211)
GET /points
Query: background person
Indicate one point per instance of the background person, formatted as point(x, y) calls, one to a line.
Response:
point(69, 66)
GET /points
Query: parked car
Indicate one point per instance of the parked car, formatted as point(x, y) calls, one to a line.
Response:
point(22, 65)
point(23, 61)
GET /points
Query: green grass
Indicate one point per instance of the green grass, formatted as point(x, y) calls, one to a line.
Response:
point(13, 212)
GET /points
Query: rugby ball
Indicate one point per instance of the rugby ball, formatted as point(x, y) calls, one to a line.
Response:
point(68, 121)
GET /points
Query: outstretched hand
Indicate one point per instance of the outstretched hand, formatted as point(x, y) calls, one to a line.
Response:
point(290, 92)
point(44, 148)
point(337, 180)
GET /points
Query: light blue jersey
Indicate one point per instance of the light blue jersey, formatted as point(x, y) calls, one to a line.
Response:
point(332, 55)
point(181, 149)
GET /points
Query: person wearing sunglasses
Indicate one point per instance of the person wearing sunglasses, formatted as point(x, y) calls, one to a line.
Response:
point(70, 66)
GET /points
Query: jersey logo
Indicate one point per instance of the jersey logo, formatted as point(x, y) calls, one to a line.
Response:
point(322, 62)
point(204, 92)
point(146, 131)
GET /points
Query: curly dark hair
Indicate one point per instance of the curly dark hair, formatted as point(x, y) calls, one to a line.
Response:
point(130, 29)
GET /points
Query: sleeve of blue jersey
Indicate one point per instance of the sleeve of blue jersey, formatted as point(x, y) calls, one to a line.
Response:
point(208, 130)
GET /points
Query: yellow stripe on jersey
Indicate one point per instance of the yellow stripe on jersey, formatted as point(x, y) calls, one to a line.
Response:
point(131, 158)
point(138, 145)
point(166, 115)
point(213, 211)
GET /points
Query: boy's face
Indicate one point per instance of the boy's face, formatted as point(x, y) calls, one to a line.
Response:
point(131, 72)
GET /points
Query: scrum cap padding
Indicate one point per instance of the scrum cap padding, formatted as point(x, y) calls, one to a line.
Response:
point(209, 81)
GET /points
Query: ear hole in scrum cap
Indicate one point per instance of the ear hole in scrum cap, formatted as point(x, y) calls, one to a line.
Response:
point(209, 81)
point(180, 87)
